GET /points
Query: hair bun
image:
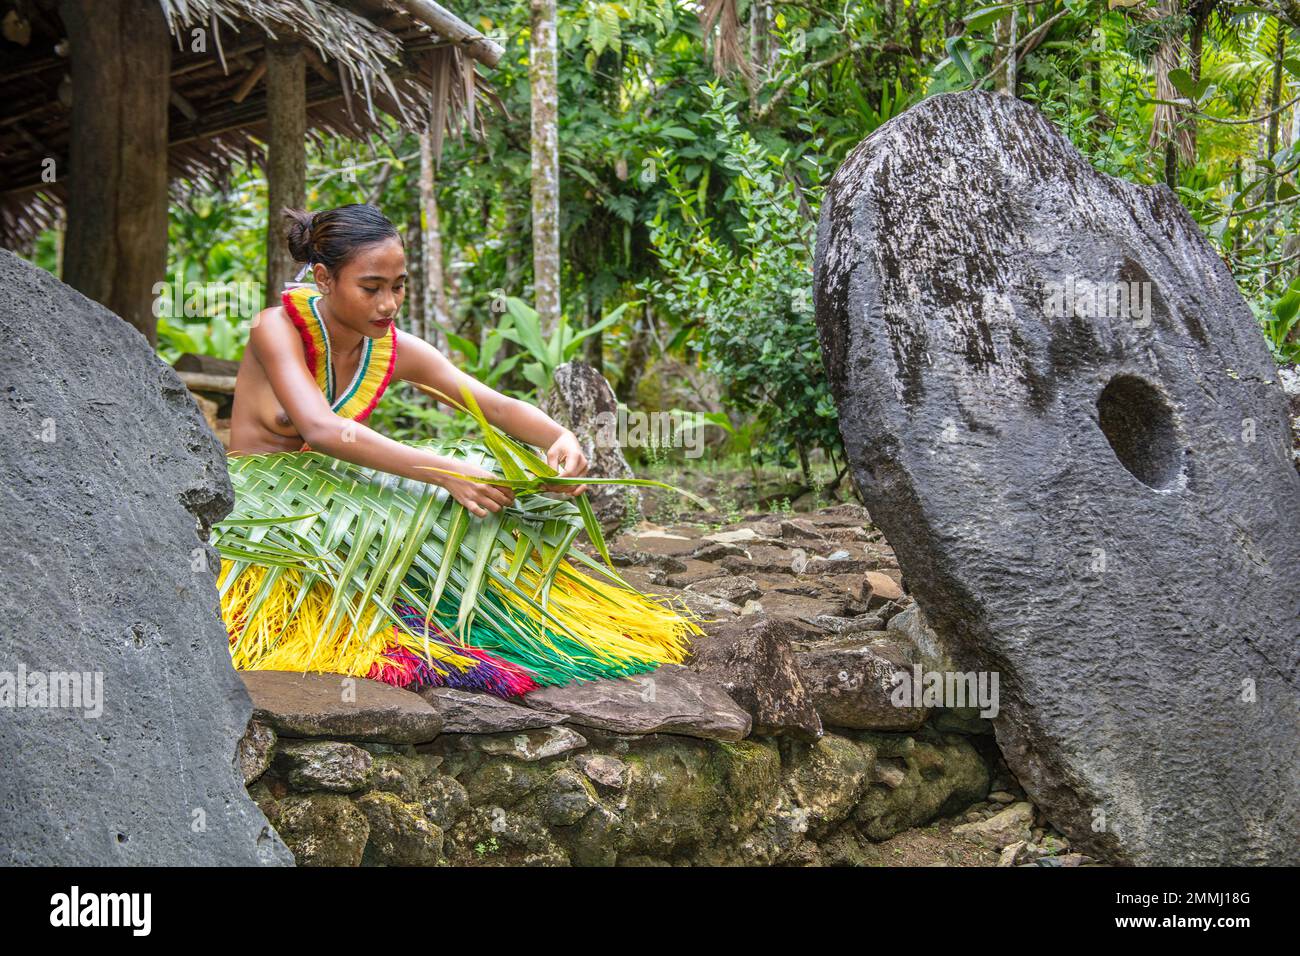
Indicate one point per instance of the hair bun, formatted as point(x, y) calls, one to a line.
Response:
point(298, 233)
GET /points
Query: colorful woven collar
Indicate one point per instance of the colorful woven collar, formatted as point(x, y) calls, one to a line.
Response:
point(374, 371)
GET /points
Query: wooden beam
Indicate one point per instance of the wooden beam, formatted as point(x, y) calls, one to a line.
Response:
point(184, 105)
point(211, 60)
point(250, 81)
point(323, 71)
point(204, 382)
point(475, 44)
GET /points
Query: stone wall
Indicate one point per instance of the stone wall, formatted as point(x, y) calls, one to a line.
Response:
point(609, 799)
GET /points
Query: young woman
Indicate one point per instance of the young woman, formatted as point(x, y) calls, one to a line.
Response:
point(334, 557)
point(353, 343)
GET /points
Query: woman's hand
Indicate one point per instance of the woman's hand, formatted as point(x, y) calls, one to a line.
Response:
point(476, 496)
point(567, 450)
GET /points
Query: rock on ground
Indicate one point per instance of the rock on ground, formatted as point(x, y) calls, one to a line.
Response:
point(581, 400)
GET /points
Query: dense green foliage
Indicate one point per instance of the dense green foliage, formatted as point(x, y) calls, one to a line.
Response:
point(691, 198)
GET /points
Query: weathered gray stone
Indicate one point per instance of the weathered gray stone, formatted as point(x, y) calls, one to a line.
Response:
point(717, 550)
point(696, 571)
point(916, 780)
point(322, 829)
point(670, 699)
point(851, 680)
point(800, 529)
point(527, 745)
point(1288, 377)
point(403, 775)
point(710, 607)
point(841, 562)
point(930, 649)
point(340, 707)
point(399, 834)
point(1000, 830)
point(825, 780)
point(667, 563)
point(565, 799)
point(324, 765)
point(254, 750)
point(849, 625)
point(1066, 483)
point(688, 799)
point(734, 589)
point(605, 770)
point(764, 559)
point(753, 661)
point(581, 400)
point(463, 712)
point(112, 481)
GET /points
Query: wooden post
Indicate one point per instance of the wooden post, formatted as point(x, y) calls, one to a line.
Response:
point(116, 244)
point(544, 94)
point(286, 160)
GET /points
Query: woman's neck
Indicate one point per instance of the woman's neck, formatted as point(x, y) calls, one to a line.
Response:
point(343, 340)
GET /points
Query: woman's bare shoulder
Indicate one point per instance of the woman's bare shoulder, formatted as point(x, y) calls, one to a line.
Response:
point(270, 322)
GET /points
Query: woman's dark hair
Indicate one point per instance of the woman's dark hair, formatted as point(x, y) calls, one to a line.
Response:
point(333, 236)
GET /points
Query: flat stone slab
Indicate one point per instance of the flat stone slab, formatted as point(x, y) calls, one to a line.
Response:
point(120, 711)
point(671, 700)
point(464, 712)
point(1065, 420)
point(340, 708)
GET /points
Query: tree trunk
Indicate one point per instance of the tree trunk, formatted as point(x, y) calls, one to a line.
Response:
point(638, 354)
point(595, 345)
point(286, 157)
point(116, 245)
point(436, 317)
point(1196, 44)
point(1005, 32)
point(544, 92)
point(1094, 97)
point(1275, 98)
point(1168, 122)
point(417, 321)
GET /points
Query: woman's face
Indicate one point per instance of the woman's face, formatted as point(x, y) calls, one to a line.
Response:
point(367, 293)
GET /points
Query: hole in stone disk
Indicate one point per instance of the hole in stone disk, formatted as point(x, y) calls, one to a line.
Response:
point(1139, 424)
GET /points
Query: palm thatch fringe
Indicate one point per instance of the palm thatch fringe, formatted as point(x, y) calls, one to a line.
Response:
point(334, 567)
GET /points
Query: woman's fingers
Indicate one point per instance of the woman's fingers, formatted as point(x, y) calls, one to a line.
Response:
point(494, 498)
point(502, 496)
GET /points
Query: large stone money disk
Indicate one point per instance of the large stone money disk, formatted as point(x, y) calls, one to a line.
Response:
point(120, 710)
point(1064, 417)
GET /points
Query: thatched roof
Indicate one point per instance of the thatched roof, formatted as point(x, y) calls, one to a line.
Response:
point(365, 58)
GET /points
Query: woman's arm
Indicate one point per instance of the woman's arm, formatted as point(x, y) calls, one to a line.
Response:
point(420, 362)
point(278, 348)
